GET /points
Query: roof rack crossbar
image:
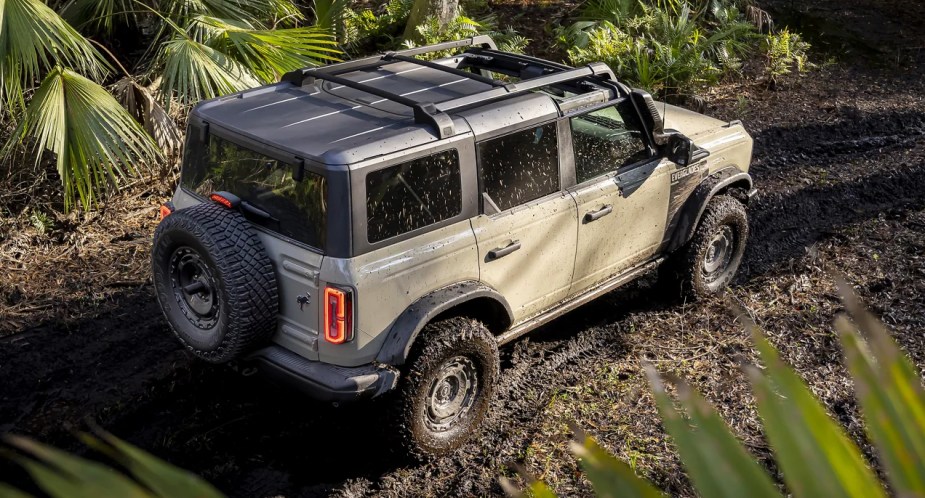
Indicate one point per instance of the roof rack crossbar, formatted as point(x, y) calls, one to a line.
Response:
point(440, 67)
point(424, 112)
point(597, 71)
point(519, 58)
point(482, 41)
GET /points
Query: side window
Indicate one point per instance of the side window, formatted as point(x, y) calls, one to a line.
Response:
point(412, 195)
point(604, 141)
point(520, 167)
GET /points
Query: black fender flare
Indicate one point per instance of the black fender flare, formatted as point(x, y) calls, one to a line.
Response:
point(690, 213)
point(408, 325)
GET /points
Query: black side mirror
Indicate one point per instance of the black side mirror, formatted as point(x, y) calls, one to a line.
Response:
point(680, 149)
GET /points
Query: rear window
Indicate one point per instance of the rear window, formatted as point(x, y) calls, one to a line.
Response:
point(412, 195)
point(298, 209)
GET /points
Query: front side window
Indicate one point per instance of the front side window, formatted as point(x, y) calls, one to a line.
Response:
point(412, 195)
point(603, 141)
point(520, 167)
point(297, 209)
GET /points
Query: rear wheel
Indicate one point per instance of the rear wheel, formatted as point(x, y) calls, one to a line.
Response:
point(447, 388)
point(708, 263)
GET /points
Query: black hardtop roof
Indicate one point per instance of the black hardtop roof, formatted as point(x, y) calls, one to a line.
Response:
point(349, 112)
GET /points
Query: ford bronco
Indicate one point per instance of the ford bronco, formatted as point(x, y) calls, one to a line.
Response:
point(383, 225)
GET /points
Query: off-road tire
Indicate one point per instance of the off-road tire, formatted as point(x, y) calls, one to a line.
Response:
point(439, 344)
point(242, 290)
point(684, 274)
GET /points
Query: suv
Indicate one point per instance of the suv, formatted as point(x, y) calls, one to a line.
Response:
point(385, 224)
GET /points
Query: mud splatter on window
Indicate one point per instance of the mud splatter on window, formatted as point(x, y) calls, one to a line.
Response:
point(520, 167)
point(604, 141)
point(412, 195)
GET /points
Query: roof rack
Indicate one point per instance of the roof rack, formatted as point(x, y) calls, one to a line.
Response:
point(534, 73)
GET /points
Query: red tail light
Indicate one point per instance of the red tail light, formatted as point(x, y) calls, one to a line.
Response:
point(166, 209)
point(221, 200)
point(338, 315)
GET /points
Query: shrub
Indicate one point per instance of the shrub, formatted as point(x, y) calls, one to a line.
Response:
point(785, 52)
point(811, 450)
point(367, 30)
point(668, 47)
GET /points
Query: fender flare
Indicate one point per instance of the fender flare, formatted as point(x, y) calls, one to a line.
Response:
point(690, 213)
point(408, 325)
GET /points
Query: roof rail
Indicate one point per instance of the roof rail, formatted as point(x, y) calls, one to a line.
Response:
point(482, 41)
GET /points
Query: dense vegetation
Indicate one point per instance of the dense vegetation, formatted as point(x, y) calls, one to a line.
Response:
point(676, 48)
point(103, 86)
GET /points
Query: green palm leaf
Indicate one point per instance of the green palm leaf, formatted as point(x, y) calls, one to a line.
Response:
point(251, 11)
point(718, 464)
point(193, 71)
point(269, 53)
point(32, 38)
point(62, 475)
point(816, 456)
point(890, 393)
point(96, 141)
point(99, 15)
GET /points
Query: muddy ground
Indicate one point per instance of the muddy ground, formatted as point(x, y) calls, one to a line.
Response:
point(839, 159)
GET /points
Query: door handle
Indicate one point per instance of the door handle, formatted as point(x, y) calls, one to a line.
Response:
point(503, 251)
point(600, 213)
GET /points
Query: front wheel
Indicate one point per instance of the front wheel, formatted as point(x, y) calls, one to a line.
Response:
point(447, 388)
point(709, 261)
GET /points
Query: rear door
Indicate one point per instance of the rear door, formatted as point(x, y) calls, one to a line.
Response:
point(621, 193)
point(526, 233)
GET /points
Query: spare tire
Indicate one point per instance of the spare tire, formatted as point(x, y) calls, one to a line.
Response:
point(214, 281)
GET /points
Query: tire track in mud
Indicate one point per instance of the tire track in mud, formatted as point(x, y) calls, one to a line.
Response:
point(824, 176)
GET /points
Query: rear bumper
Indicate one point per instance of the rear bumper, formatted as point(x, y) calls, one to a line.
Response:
point(324, 381)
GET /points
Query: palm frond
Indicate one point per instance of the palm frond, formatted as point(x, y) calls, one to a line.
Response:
point(269, 53)
point(141, 104)
point(33, 37)
point(62, 475)
point(96, 141)
point(98, 16)
point(251, 11)
point(193, 71)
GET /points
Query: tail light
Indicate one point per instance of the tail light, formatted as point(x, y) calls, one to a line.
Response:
point(338, 315)
point(166, 209)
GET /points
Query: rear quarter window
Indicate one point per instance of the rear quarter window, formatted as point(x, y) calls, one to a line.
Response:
point(412, 195)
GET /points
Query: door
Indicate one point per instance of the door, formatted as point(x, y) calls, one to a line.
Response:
point(621, 195)
point(526, 235)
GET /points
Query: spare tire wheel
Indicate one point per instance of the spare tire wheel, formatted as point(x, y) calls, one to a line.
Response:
point(214, 281)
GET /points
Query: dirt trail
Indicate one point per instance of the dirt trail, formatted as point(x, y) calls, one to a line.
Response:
point(840, 149)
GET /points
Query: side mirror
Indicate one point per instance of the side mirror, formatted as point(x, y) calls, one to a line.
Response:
point(680, 149)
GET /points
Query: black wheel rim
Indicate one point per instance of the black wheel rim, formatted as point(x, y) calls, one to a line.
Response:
point(194, 287)
point(719, 254)
point(452, 394)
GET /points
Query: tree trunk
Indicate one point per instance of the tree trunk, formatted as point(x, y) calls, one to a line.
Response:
point(443, 10)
